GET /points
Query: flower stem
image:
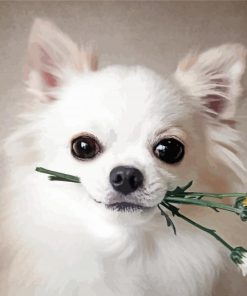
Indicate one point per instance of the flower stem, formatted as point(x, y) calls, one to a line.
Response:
point(56, 176)
point(212, 232)
point(206, 194)
point(181, 200)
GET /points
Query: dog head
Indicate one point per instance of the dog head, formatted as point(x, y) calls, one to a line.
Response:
point(129, 134)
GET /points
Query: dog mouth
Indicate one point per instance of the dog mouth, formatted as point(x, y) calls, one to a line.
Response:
point(124, 206)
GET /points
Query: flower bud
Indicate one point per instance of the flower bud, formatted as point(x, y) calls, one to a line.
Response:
point(241, 204)
point(239, 257)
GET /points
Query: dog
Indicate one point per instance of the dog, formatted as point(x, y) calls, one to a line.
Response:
point(129, 135)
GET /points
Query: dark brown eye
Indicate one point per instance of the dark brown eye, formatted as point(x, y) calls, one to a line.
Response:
point(85, 147)
point(169, 150)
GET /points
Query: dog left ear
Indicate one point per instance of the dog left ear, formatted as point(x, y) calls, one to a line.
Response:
point(214, 79)
point(52, 56)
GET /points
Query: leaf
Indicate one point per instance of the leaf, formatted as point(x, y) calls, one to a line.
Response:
point(168, 220)
point(179, 190)
point(215, 209)
point(184, 188)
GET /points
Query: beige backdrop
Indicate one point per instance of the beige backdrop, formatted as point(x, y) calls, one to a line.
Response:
point(155, 34)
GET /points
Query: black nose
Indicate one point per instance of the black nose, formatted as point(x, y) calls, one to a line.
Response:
point(126, 179)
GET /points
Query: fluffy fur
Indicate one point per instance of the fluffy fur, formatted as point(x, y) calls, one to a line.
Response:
point(55, 239)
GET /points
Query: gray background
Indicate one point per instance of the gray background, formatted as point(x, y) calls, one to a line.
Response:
point(156, 34)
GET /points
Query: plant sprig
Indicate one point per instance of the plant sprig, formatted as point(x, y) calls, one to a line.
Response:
point(180, 196)
point(56, 176)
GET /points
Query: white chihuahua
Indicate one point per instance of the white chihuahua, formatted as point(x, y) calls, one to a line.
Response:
point(130, 136)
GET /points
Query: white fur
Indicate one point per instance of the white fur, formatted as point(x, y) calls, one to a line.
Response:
point(55, 239)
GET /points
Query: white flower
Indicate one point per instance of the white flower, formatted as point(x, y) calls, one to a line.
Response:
point(239, 257)
point(243, 266)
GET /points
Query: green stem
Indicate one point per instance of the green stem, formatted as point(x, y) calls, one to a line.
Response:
point(53, 178)
point(56, 176)
point(204, 194)
point(212, 232)
point(181, 200)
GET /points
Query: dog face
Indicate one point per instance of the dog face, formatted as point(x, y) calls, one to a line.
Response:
point(127, 133)
point(119, 130)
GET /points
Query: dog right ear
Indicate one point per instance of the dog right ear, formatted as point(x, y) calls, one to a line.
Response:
point(52, 57)
point(212, 79)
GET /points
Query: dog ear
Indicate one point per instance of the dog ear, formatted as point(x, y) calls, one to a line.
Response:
point(214, 79)
point(52, 56)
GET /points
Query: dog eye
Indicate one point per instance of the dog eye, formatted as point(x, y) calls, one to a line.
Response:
point(85, 147)
point(169, 150)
